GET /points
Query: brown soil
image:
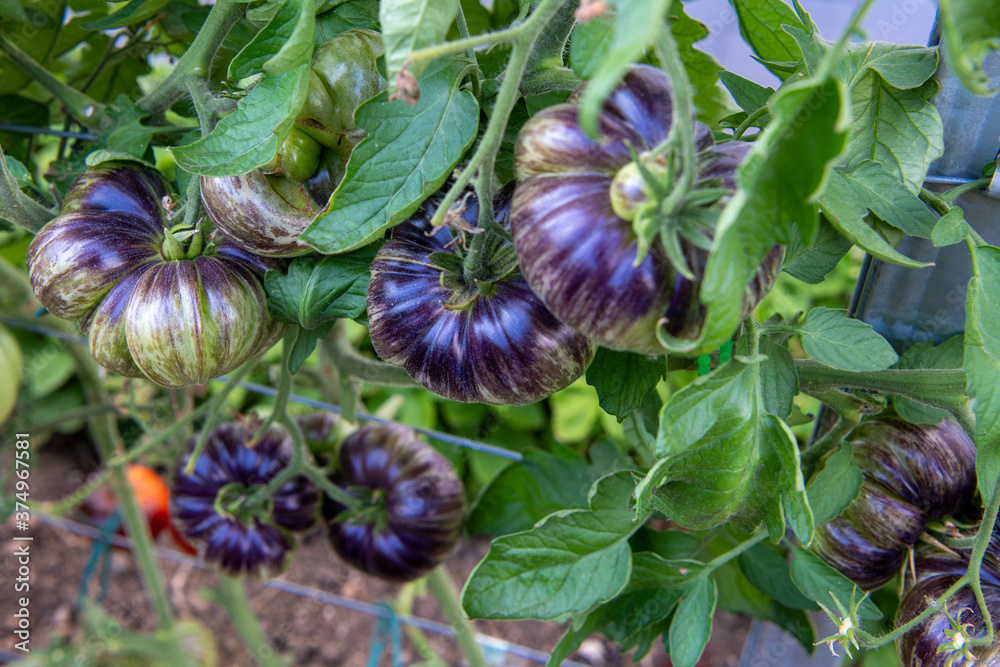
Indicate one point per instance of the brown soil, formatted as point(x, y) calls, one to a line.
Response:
point(312, 632)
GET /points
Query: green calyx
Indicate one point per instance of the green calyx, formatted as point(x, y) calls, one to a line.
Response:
point(243, 503)
point(184, 242)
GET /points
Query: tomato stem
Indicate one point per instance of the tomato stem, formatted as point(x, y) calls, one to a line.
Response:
point(443, 588)
point(482, 161)
point(83, 108)
point(231, 595)
point(104, 431)
point(351, 364)
point(197, 60)
point(749, 122)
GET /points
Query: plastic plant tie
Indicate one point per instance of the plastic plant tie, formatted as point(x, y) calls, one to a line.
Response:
point(100, 552)
point(704, 364)
point(387, 627)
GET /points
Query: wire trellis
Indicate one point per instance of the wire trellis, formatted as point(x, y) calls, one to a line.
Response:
point(487, 642)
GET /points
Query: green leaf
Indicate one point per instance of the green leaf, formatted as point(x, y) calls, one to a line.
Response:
point(320, 290)
point(750, 96)
point(101, 156)
point(409, 25)
point(305, 343)
point(767, 569)
point(589, 45)
point(407, 155)
point(785, 170)
point(810, 263)
point(653, 590)
point(12, 11)
point(724, 458)
point(982, 363)
point(531, 489)
point(623, 378)
point(635, 25)
point(971, 30)
point(846, 210)
point(760, 25)
point(778, 378)
point(887, 197)
point(949, 354)
point(285, 43)
point(18, 172)
point(830, 337)
point(950, 229)
point(702, 69)
point(571, 561)
point(251, 135)
point(131, 13)
point(817, 580)
point(130, 136)
point(347, 16)
point(692, 624)
point(896, 127)
point(833, 488)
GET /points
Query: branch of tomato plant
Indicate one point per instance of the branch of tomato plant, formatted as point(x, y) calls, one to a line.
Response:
point(197, 60)
point(463, 32)
point(231, 595)
point(943, 204)
point(682, 129)
point(352, 364)
point(482, 161)
point(443, 588)
point(846, 421)
point(749, 122)
point(940, 388)
point(404, 605)
point(104, 431)
point(87, 111)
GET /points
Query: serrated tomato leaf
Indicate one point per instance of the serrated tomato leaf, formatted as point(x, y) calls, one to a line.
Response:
point(251, 135)
point(409, 25)
point(971, 30)
point(283, 44)
point(833, 488)
point(818, 581)
point(982, 363)
point(407, 155)
point(569, 562)
point(832, 338)
point(623, 378)
point(316, 291)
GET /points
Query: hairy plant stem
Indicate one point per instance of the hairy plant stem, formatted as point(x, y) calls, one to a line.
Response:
point(197, 60)
point(350, 364)
point(443, 588)
point(231, 595)
point(940, 388)
point(463, 32)
point(722, 559)
point(547, 52)
point(682, 129)
point(482, 161)
point(104, 431)
point(284, 382)
point(749, 122)
point(84, 109)
point(846, 421)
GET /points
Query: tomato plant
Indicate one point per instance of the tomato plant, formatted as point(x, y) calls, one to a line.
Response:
point(607, 276)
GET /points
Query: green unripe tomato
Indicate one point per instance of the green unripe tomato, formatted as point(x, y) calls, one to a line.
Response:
point(10, 371)
point(297, 159)
point(343, 75)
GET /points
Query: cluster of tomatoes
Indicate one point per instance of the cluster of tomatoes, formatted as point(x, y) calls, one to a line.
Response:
point(179, 306)
point(407, 515)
